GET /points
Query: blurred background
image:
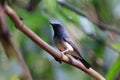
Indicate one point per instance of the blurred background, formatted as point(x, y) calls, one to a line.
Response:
point(99, 43)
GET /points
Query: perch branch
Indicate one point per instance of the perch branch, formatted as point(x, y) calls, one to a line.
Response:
point(19, 25)
point(8, 45)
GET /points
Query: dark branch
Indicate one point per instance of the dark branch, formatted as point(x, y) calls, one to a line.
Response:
point(2, 2)
point(99, 23)
point(33, 4)
point(8, 45)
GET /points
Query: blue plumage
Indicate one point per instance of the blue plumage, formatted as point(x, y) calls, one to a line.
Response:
point(65, 44)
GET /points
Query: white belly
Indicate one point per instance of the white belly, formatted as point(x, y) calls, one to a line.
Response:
point(62, 45)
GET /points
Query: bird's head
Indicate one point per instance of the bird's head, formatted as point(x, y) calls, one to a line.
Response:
point(57, 27)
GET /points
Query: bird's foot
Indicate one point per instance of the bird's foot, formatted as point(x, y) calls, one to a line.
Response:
point(60, 59)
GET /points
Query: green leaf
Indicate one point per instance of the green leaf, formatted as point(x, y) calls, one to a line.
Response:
point(50, 6)
point(116, 46)
point(113, 70)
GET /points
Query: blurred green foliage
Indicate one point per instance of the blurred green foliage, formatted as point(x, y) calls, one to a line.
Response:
point(92, 41)
point(113, 70)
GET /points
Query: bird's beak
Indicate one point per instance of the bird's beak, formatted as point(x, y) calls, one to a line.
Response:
point(51, 23)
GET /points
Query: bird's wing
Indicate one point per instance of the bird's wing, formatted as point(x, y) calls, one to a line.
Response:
point(69, 40)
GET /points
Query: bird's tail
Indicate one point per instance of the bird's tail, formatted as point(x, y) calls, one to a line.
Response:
point(85, 63)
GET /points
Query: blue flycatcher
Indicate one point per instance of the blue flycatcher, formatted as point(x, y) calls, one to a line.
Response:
point(65, 44)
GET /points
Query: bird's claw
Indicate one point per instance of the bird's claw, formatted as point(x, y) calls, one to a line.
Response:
point(60, 59)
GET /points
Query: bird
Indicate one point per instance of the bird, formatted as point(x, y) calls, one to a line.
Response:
point(65, 44)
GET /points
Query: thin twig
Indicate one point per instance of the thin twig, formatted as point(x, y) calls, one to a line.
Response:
point(99, 23)
point(8, 45)
point(105, 43)
point(19, 25)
